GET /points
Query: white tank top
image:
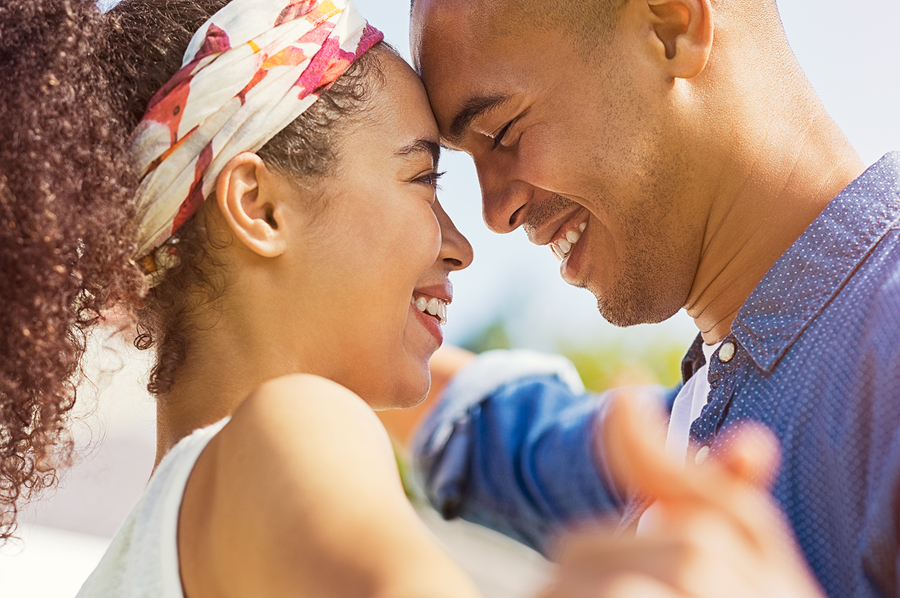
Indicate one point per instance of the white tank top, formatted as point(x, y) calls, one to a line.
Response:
point(142, 560)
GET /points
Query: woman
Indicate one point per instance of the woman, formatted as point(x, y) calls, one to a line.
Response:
point(315, 273)
point(308, 288)
point(324, 253)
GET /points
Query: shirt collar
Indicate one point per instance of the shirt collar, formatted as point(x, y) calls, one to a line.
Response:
point(812, 271)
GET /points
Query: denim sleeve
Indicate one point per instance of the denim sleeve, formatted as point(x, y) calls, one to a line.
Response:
point(509, 447)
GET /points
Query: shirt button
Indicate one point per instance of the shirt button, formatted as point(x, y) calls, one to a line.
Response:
point(726, 352)
point(702, 455)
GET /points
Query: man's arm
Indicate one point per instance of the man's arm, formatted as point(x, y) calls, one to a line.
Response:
point(509, 446)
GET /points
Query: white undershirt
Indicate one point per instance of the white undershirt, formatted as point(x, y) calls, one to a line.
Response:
point(689, 402)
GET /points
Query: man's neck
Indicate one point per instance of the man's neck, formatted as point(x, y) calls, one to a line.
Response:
point(761, 206)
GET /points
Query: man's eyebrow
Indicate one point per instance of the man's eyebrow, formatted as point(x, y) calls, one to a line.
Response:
point(427, 146)
point(472, 109)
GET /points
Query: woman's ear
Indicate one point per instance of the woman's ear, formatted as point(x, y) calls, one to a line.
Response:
point(683, 34)
point(250, 205)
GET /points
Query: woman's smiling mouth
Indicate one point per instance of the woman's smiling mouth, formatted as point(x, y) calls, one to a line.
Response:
point(432, 306)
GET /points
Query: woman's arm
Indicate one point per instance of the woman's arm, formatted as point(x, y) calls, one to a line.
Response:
point(299, 495)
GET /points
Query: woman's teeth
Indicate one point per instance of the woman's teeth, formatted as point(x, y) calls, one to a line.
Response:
point(562, 246)
point(434, 306)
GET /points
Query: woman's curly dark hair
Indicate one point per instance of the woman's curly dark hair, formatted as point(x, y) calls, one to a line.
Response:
point(146, 42)
point(76, 84)
point(65, 205)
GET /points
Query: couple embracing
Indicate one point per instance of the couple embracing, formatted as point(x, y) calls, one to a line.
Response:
point(255, 183)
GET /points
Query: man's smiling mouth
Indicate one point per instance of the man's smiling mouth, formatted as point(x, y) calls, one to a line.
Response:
point(567, 237)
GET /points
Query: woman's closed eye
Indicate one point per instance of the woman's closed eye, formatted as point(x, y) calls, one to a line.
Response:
point(431, 178)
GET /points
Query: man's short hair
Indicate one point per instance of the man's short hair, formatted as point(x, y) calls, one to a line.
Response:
point(588, 22)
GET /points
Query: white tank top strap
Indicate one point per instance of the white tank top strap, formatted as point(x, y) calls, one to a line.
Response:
point(142, 560)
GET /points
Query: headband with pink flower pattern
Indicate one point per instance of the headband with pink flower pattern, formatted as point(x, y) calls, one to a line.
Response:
point(252, 69)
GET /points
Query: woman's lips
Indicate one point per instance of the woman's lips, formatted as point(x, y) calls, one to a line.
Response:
point(433, 306)
point(430, 323)
point(430, 306)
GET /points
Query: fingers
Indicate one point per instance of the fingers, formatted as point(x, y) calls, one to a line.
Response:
point(701, 556)
point(636, 454)
point(624, 585)
point(713, 529)
point(695, 555)
point(734, 484)
point(634, 586)
point(752, 455)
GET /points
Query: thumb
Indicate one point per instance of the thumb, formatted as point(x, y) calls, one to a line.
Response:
point(635, 451)
point(750, 452)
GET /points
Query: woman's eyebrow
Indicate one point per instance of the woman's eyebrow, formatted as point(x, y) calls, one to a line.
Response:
point(427, 146)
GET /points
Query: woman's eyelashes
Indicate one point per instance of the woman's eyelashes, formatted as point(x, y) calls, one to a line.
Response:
point(431, 178)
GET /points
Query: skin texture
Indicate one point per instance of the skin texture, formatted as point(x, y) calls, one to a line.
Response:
point(401, 424)
point(696, 152)
point(300, 494)
point(690, 141)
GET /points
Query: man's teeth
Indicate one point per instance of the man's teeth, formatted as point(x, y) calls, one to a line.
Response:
point(433, 306)
point(562, 247)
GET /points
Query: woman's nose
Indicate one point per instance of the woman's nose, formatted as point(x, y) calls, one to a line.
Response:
point(456, 251)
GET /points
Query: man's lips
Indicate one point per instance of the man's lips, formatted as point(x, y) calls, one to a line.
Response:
point(553, 230)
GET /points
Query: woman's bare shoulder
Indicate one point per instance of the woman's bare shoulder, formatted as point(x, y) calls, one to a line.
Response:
point(300, 490)
point(302, 444)
point(302, 410)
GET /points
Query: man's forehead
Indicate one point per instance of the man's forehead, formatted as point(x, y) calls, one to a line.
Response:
point(469, 67)
point(459, 25)
point(463, 86)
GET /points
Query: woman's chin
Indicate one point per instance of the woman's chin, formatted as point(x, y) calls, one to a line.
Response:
point(410, 398)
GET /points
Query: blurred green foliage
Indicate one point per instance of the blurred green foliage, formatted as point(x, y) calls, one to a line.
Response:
point(492, 337)
point(603, 364)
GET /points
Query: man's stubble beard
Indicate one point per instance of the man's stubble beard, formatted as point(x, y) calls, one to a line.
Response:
point(652, 276)
point(646, 289)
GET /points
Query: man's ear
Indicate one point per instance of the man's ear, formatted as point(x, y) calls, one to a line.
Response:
point(683, 33)
point(249, 205)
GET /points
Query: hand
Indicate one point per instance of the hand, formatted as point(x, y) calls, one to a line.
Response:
point(713, 531)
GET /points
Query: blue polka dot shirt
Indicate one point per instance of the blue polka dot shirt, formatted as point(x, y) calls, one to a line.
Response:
point(814, 354)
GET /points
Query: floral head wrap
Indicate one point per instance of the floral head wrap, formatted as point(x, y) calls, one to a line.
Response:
point(251, 70)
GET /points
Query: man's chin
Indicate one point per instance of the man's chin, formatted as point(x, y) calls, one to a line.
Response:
point(627, 310)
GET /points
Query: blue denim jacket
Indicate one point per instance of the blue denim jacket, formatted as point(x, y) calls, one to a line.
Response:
point(817, 361)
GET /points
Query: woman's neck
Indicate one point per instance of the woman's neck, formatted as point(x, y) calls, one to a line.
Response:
point(228, 358)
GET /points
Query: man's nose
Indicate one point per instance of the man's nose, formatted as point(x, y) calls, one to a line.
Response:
point(504, 199)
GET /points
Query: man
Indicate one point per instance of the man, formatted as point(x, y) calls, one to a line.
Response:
point(672, 154)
